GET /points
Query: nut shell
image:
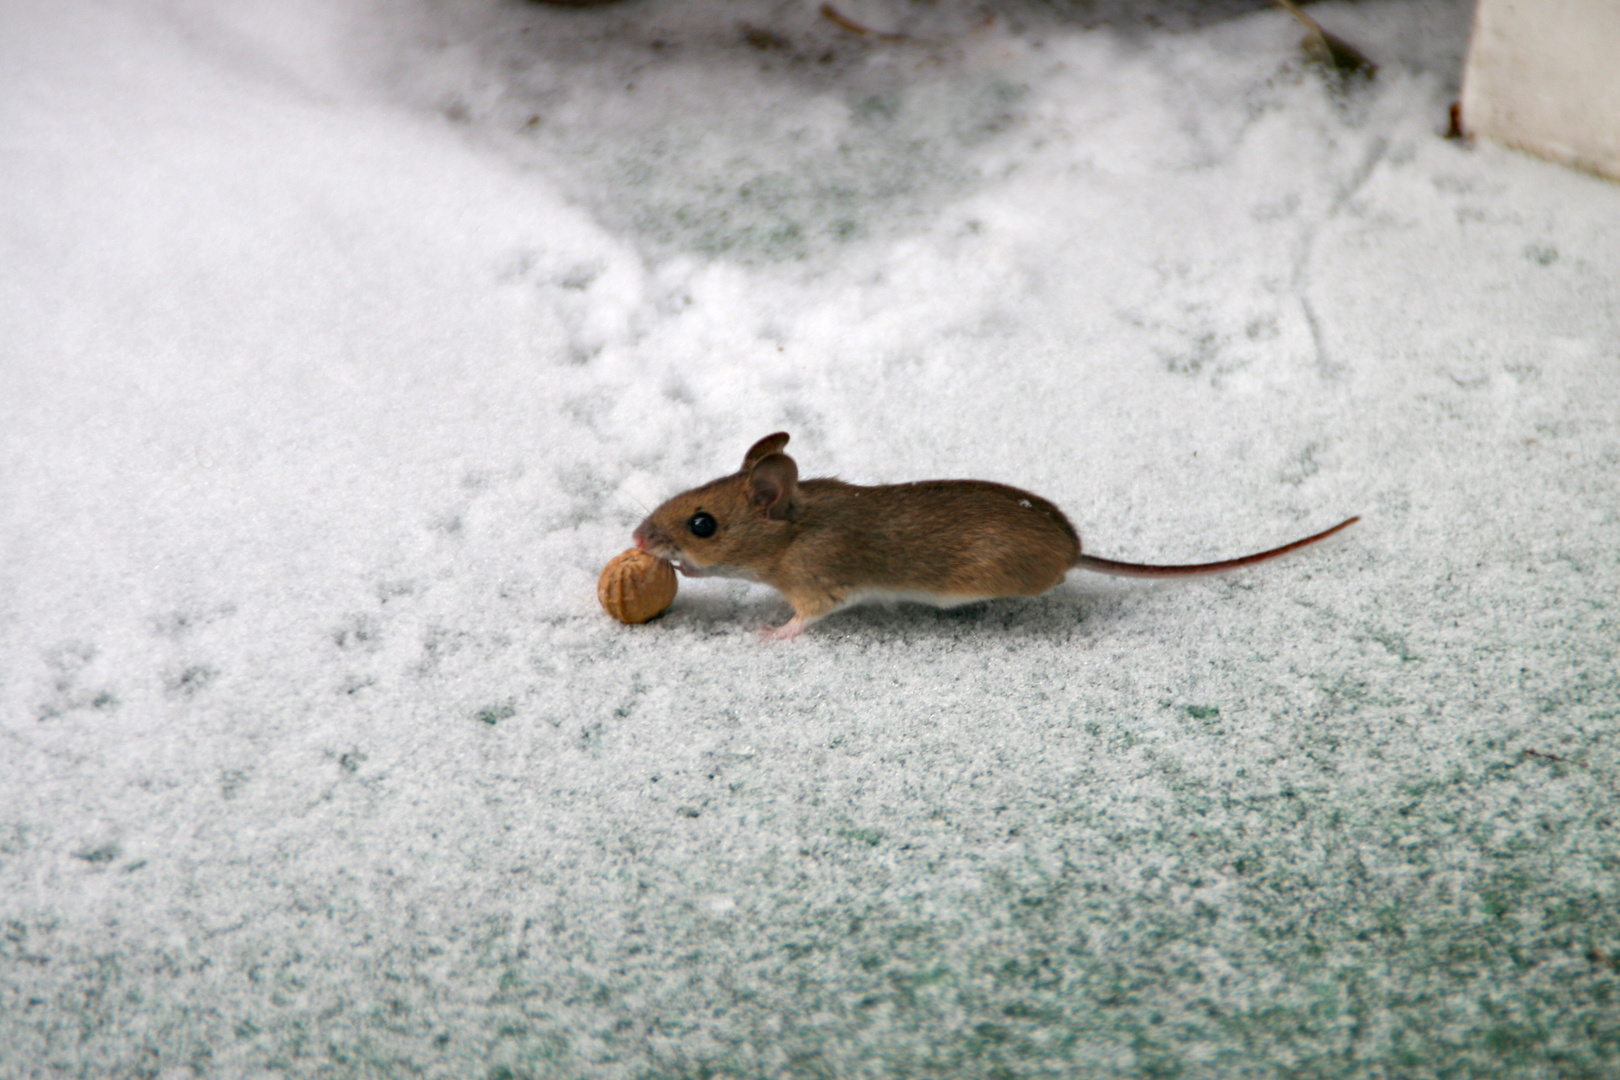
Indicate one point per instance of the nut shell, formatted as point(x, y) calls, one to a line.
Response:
point(636, 586)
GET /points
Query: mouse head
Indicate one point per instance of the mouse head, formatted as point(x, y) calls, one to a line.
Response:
point(733, 526)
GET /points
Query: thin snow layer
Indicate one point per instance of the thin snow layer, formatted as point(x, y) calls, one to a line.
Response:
point(342, 344)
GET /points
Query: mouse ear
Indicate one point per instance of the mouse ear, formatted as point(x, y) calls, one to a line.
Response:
point(771, 484)
point(770, 444)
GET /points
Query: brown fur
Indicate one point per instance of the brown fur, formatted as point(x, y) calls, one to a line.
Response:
point(822, 543)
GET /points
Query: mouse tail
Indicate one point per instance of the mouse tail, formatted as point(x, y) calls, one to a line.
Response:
point(1126, 569)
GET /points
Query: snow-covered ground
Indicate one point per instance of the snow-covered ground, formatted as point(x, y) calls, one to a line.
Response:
point(341, 343)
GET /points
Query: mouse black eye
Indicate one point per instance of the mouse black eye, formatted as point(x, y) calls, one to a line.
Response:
point(702, 525)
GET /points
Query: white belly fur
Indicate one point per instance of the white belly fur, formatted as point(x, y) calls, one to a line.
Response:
point(912, 596)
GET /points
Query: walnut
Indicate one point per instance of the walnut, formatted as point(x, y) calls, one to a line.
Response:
point(636, 586)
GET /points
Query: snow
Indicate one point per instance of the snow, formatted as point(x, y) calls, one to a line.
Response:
point(341, 345)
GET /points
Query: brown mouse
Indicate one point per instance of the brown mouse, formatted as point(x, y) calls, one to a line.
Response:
point(824, 544)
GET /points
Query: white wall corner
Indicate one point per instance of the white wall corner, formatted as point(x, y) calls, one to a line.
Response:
point(1544, 76)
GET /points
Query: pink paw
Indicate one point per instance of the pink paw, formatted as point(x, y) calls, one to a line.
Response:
point(787, 631)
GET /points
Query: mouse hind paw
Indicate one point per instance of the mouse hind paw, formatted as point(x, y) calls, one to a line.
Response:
point(786, 632)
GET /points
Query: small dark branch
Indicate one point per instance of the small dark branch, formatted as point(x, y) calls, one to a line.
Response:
point(1331, 52)
point(838, 18)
